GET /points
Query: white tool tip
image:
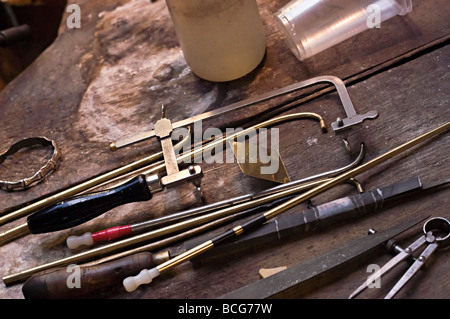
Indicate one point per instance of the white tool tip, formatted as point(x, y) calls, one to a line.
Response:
point(74, 242)
point(144, 277)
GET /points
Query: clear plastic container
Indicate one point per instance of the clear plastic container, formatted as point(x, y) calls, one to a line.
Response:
point(312, 26)
point(221, 40)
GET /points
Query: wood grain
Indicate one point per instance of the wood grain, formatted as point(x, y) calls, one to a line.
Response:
point(108, 79)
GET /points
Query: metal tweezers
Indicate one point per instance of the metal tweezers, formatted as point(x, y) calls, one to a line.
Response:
point(436, 233)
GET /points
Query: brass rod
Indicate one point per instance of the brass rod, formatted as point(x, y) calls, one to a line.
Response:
point(169, 240)
point(355, 171)
point(289, 117)
point(93, 182)
point(227, 203)
point(149, 159)
point(338, 84)
point(127, 242)
point(269, 214)
point(6, 237)
point(14, 233)
point(304, 196)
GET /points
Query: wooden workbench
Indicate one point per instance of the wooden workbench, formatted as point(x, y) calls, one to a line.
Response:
point(107, 80)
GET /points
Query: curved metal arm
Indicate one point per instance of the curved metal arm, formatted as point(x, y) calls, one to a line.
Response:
point(341, 124)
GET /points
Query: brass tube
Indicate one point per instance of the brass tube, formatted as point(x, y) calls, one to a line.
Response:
point(8, 236)
point(145, 161)
point(307, 195)
point(14, 233)
point(186, 256)
point(170, 240)
point(271, 122)
point(84, 186)
point(268, 215)
point(122, 244)
point(355, 171)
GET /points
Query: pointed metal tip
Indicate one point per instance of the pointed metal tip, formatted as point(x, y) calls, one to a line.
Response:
point(357, 291)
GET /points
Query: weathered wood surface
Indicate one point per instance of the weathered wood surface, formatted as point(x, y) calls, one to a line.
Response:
point(108, 79)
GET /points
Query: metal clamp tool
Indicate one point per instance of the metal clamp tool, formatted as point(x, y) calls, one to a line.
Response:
point(341, 124)
point(163, 130)
point(436, 233)
point(150, 160)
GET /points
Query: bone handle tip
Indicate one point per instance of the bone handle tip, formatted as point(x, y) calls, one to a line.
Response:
point(144, 277)
point(74, 242)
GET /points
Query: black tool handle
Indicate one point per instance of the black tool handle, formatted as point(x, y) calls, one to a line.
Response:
point(86, 281)
point(14, 35)
point(80, 209)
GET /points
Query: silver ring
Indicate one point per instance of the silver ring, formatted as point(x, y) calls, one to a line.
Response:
point(45, 170)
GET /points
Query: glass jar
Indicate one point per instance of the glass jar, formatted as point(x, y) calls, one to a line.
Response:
point(221, 40)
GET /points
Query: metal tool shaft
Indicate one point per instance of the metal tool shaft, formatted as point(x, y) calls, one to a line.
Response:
point(430, 239)
point(283, 226)
point(170, 229)
point(78, 188)
point(132, 283)
point(125, 230)
point(338, 83)
point(8, 236)
point(118, 172)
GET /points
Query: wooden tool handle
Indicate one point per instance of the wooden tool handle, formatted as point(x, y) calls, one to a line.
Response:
point(86, 281)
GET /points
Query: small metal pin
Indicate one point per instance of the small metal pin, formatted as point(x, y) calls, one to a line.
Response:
point(430, 238)
point(346, 144)
point(391, 244)
point(163, 111)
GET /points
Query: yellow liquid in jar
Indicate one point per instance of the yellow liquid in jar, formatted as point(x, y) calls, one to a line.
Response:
point(221, 40)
